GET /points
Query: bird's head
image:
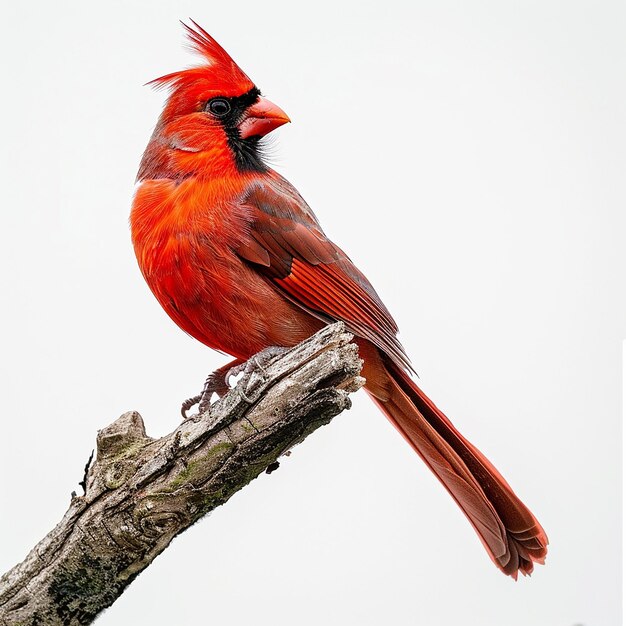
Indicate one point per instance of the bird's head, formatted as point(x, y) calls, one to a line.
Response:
point(213, 119)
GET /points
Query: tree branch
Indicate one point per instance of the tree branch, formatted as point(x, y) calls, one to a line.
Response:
point(142, 492)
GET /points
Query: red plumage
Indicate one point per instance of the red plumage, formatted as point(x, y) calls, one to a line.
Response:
point(239, 261)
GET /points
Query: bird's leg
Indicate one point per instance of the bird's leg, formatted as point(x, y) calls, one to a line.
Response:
point(256, 363)
point(216, 382)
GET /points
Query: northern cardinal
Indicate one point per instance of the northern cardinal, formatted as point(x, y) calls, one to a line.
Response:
point(239, 261)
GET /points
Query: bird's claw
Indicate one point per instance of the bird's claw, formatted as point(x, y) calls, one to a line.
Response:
point(218, 381)
point(257, 363)
point(188, 404)
point(215, 383)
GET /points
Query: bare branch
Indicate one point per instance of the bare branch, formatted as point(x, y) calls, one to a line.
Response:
point(142, 492)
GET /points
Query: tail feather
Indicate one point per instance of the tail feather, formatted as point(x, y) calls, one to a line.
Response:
point(509, 531)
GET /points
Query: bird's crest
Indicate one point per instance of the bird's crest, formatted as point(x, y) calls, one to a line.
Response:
point(221, 72)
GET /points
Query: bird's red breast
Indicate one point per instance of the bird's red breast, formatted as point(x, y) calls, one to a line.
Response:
point(186, 237)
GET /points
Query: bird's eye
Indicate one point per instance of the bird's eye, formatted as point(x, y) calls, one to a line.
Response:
point(219, 107)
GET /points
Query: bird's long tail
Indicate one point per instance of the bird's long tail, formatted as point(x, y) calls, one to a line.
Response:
point(509, 531)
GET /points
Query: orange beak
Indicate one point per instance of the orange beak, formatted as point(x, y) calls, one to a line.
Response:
point(262, 118)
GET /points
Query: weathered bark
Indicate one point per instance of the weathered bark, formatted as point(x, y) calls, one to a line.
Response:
point(142, 492)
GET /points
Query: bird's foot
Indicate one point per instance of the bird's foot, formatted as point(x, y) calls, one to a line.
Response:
point(256, 364)
point(218, 381)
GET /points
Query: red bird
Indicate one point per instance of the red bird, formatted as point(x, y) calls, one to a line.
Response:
point(239, 261)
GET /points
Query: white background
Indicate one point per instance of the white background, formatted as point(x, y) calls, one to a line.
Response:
point(470, 158)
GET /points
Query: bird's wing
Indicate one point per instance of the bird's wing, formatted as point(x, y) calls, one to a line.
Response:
point(287, 245)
